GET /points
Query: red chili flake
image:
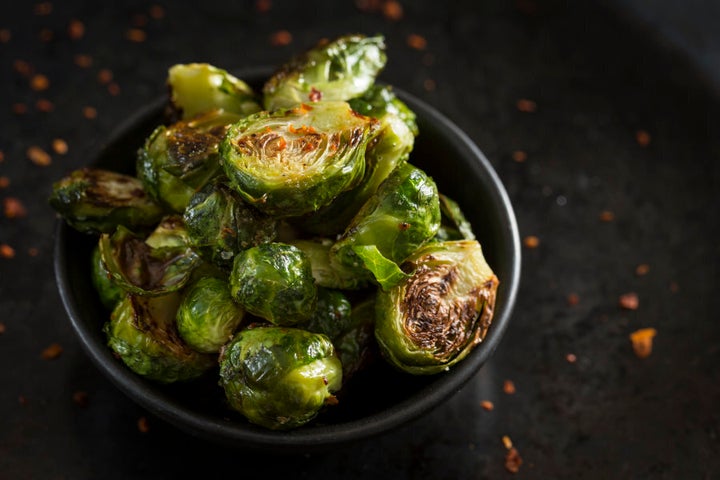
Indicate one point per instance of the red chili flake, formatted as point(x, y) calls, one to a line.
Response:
point(416, 41)
point(6, 251)
point(59, 146)
point(527, 106)
point(2, 156)
point(105, 76)
point(76, 29)
point(89, 112)
point(52, 352)
point(44, 8)
point(531, 241)
point(83, 61)
point(571, 358)
point(607, 216)
point(5, 35)
point(19, 108)
point(629, 301)
point(519, 156)
point(487, 405)
point(642, 269)
point(507, 442)
point(33, 252)
point(39, 82)
point(44, 105)
point(392, 10)
point(280, 38)
point(22, 400)
point(643, 138)
point(142, 425)
point(2, 328)
point(80, 399)
point(113, 89)
point(513, 461)
point(573, 299)
point(38, 156)
point(315, 95)
point(263, 6)
point(642, 341)
point(402, 226)
point(23, 68)
point(4, 182)
point(136, 35)
point(157, 12)
point(13, 208)
point(509, 387)
point(429, 85)
point(46, 35)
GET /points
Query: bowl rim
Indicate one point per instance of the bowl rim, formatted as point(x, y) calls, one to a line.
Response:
point(321, 436)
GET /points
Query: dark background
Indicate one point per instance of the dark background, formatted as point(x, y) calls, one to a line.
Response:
point(598, 75)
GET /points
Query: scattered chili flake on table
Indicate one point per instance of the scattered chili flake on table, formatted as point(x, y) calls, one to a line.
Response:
point(571, 358)
point(136, 35)
point(519, 156)
point(38, 156)
point(527, 106)
point(416, 41)
point(263, 6)
point(44, 8)
point(33, 252)
point(642, 341)
point(280, 38)
point(19, 108)
point(487, 405)
point(143, 425)
point(89, 112)
point(513, 461)
point(5, 35)
point(105, 76)
point(59, 146)
point(429, 85)
point(80, 399)
point(531, 241)
point(113, 89)
point(76, 29)
point(509, 387)
point(607, 216)
point(507, 443)
point(13, 208)
point(2, 156)
point(573, 299)
point(642, 269)
point(46, 35)
point(44, 105)
point(368, 6)
point(643, 138)
point(6, 251)
point(22, 67)
point(52, 352)
point(392, 10)
point(39, 82)
point(4, 182)
point(83, 60)
point(2, 328)
point(157, 12)
point(629, 301)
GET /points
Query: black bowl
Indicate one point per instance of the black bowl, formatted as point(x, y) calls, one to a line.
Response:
point(377, 400)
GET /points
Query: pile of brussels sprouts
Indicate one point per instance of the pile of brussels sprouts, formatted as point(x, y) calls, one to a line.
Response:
point(282, 236)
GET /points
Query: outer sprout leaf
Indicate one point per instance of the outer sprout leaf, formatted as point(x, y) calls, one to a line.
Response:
point(327, 271)
point(386, 272)
point(108, 291)
point(454, 225)
point(379, 101)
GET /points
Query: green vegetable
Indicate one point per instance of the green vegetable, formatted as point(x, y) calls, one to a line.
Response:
point(141, 331)
point(331, 315)
point(435, 318)
point(453, 225)
point(338, 70)
point(386, 272)
point(279, 378)
point(274, 281)
point(355, 345)
point(327, 271)
point(200, 87)
point(379, 101)
point(108, 291)
point(93, 200)
point(220, 224)
point(207, 316)
point(291, 162)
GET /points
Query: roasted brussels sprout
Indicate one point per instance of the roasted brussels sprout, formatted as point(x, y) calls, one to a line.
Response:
point(274, 281)
point(141, 331)
point(178, 160)
point(220, 224)
point(160, 264)
point(278, 377)
point(436, 317)
point(402, 215)
point(108, 291)
point(338, 70)
point(453, 224)
point(200, 87)
point(291, 162)
point(379, 101)
point(331, 315)
point(327, 271)
point(355, 344)
point(93, 200)
point(208, 316)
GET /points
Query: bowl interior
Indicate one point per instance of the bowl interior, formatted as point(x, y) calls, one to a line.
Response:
point(375, 400)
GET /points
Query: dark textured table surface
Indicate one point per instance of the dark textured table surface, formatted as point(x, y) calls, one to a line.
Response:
point(601, 198)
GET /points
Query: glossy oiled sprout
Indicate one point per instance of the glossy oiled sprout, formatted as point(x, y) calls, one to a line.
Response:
point(178, 160)
point(327, 271)
point(108, 291)
point(453, 225)
point(94, 200)
point(433, 319)
point(220, 224)
point(200, 87)
point(279, 378)
point(274, 281)
point(379, 101)
point(333, 70)
point(331, 315)
point(291, 162)
point(355, 345)
point(142, 333)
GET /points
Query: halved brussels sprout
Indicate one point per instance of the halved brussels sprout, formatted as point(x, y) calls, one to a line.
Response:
point(141, 331)
point(94, 200)
point(403, 214)
point(291, 162)
point(279, 378)
point(161, 264)
point(274, 281)
point(435, 318)
point(453, 224)
point(178, 160)
point(220, 224)
point(338, 70)
point(200, 87)
point(208, 316)
point(327, 271)
point(108, 291)
point(379, 101)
